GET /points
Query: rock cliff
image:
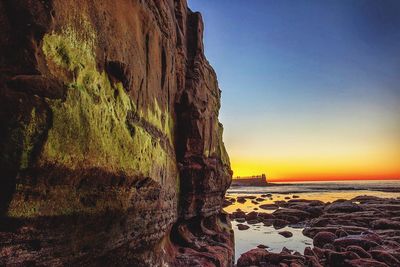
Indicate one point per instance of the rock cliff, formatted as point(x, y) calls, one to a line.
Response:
point(111, 151)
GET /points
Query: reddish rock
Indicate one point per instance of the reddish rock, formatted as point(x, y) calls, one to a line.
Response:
point(352, 230)
point(252, 257)
point(365, 241)
point(266, 215)
point(251, 216)
point(269, 206)
point(364, 263)
point(250, 197)
point(241, 200)
point(291, 213)
point(242, 226)
point(286, 234)
point(226, 203)
point(111, 150)
point(342, 206)
point(385, 224)
point(239, 214)
point(359, 251)
point(312, 261)
point(260, 257)
point(278, 223)
point(339, 258)
point(341, 233)
point(322, 238)
point(268, 222)
point(385, 257)
point(254, 221)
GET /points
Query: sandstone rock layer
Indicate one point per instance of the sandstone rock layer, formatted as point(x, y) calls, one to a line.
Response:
point(111, 148)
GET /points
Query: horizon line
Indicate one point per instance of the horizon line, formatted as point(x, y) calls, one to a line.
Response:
point(271, 180)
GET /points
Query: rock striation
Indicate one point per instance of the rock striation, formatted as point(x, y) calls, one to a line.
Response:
point(111, 151)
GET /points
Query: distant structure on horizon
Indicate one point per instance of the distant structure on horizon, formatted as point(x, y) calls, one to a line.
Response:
point(256, 180)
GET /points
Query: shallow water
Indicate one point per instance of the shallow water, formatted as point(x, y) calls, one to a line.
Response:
point(259, 234)
point(326, 192)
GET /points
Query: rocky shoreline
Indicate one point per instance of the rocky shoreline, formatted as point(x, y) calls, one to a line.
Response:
point(363, 231)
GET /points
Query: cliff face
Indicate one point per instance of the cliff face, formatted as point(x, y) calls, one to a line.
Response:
point(111, 149)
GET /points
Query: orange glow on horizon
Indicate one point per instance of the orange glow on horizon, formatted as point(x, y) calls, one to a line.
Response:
point(322, 169)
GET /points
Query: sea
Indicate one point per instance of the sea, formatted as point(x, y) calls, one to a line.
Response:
point(325, 191)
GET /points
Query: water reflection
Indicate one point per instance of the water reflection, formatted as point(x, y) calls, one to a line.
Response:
point(266, 235)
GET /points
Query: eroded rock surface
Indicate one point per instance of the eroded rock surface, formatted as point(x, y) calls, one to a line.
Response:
point(111, 148)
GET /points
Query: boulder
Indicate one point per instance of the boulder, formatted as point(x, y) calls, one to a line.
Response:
point(364, 263)
point(322, 238)
point(342, 206)
point(286, 234)
point(359, 251)
point(242, 227)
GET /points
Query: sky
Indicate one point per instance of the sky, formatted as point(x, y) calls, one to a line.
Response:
point(310, 89)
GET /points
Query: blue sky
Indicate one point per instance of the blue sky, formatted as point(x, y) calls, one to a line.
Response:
point(307, 81)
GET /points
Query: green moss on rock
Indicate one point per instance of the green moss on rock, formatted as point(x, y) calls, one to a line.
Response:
point(89, 127)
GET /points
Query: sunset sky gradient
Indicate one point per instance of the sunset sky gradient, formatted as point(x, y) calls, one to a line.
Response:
point(310, 89)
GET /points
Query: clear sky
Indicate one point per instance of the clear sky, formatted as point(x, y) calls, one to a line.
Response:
point(310, 89)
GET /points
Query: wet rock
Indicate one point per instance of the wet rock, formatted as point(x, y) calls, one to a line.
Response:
point(342, 206)
point(240, 220)
point(278, 223)
point(367, 199)
point(385, 224)
point(352, 230)
point(291, 213)
point(251, 216)
point(252, 257)
point(268, 222)
point(329, 246)
point(286, 234)
point(241, 200)
point(269, 206)
point(341, 233)
point(359, 251)
point(313, 261)
point(364, 263)
point(261, 257)
point(265, 216)
point(226, 203)
point(366, 241)
point(322, 238)
point(250, 197)
point(281, 203)
point(385, 257)
point(242, 227)
point(239, 214)
point(254, 221)
point(339, 258)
